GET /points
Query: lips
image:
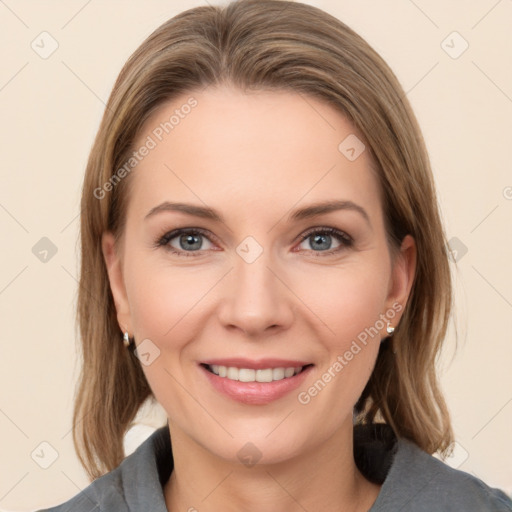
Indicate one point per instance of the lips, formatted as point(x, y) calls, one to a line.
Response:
point(255, 382)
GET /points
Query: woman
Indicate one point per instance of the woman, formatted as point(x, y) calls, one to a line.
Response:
point(263, 255)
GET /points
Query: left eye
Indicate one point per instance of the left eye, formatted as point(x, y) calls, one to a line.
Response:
point(321, 240)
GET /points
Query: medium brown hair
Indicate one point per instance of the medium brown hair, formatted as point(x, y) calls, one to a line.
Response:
point(271, 45)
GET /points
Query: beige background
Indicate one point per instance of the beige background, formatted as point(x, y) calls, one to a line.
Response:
point(50, 111)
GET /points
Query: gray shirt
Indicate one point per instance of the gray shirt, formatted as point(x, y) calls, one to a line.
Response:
point(412, 480)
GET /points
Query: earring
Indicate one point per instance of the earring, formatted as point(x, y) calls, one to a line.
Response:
point(390, 329)
point(126, 339)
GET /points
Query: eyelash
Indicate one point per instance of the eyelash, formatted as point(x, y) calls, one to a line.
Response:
point(345, 240)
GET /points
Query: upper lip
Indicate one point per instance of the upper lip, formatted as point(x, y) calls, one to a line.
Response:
point(259, 364)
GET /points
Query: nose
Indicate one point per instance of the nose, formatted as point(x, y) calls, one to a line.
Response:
point(255, 299)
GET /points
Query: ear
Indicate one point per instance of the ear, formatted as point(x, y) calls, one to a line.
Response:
point(402, 277)
point(115, 276)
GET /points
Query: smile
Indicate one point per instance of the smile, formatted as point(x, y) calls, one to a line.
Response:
point(252, 375)
point(254, 382)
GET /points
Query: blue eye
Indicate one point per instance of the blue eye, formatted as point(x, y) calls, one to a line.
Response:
point(189, 242)
point(183, 241)
point(320, 240)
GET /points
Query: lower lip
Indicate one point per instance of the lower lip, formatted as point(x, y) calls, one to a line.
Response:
point(255, 393)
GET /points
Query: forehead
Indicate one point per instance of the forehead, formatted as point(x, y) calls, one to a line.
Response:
point(227, 148)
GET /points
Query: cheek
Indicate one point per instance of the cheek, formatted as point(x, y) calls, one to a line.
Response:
point(164, 304)
point(350, 307)
point(349, 303)
point(346, 300)
point(163, 300)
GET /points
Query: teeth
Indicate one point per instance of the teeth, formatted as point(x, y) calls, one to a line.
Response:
point(250, 375)
point(232, 373)
point(278, 373)
point(289, 372)
point(264, 375)
point(246, 375)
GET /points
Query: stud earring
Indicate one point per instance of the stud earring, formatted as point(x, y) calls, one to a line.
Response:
point(390, 329)
point(126, 339)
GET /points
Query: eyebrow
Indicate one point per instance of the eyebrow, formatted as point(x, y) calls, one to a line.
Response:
point(313, 210)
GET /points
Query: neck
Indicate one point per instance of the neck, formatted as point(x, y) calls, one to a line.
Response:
point(316, 480)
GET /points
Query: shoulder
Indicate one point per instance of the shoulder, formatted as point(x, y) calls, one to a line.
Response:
point(418, 482)
point(136, 484)
point(105, 493)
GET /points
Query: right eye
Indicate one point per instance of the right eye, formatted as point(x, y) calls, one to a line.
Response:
point(184, 241)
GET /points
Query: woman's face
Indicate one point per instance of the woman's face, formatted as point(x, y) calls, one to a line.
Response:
point(282, 267)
